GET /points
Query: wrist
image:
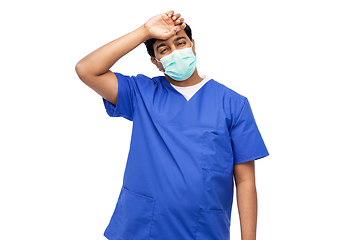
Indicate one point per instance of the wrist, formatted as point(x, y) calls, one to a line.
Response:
point(145, 32)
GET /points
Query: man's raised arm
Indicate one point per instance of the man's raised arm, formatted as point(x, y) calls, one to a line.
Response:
point(94, 69)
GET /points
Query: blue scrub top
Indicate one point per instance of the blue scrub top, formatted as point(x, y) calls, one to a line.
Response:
point(178, 181)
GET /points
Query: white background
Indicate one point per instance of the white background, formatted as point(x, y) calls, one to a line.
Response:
point(62, 157)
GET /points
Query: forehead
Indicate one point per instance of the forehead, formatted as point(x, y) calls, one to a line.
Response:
point(170, 40)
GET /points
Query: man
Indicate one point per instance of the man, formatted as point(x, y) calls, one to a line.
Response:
point(191, 135)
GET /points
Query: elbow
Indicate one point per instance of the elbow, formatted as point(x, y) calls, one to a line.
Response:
point(83, 72)
point(80, 71)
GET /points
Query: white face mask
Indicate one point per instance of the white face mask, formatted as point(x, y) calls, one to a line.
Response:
point(180, 64)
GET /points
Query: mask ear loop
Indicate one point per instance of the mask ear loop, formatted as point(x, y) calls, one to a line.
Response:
point(161, 63)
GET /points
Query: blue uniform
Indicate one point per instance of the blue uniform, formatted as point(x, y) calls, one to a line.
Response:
point(178, 180)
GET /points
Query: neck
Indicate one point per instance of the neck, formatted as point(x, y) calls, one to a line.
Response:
point(192, 80)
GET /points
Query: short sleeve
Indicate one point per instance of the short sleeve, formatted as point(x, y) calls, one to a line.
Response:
point(126, 98)
point(246, 139)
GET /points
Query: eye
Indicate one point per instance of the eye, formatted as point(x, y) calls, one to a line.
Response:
point(181, 43)
point(162, 51)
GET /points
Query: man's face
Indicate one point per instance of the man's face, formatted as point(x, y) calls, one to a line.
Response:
point(176, 42)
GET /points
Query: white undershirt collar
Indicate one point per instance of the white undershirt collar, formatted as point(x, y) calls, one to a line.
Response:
point(189, 91)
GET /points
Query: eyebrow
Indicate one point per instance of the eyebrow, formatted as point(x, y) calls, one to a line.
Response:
point(163, 44)
point(160, 45)
point(178, 38)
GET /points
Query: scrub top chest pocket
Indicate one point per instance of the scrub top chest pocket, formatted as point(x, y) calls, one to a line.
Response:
point(217, 154)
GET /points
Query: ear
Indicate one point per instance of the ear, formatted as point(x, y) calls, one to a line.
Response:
point(157, 64)
point(193, 47)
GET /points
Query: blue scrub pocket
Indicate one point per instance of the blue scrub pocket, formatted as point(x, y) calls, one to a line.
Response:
point(217, 153)
point(132, 217)
point(214, 225)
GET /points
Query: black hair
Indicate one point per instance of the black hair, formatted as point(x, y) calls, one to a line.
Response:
point(150, 42)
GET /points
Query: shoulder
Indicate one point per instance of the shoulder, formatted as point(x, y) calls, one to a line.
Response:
point(228, 95)
point(139, 79)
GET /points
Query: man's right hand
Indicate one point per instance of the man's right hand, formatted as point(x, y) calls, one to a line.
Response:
point(165, 25)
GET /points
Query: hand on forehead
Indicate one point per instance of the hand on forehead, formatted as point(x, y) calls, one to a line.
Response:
point(165, 25)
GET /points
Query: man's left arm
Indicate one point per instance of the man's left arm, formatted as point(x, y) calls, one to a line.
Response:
point(244, 174)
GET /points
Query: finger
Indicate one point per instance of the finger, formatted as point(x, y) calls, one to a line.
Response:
point(177, 29)
point(182, 26)
point(170, 13)
point(176, 16)
point(179, 21)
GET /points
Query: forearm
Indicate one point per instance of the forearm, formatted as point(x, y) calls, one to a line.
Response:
point(247, 205)
point(102, 59)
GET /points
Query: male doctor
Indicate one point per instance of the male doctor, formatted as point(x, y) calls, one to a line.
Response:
point(191, 138)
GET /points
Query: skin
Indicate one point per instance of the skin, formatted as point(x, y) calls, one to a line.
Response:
point(244, 175)
point(167, 28)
